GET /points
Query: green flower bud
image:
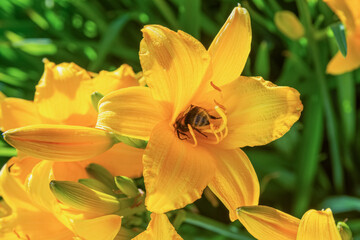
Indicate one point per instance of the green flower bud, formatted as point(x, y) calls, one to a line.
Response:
point(288, 23)
point(344, 230)
point(133, 142)
point(127, 186)
point(95, 98)
point(80, 197)
point(102, 174)
point(96, 185)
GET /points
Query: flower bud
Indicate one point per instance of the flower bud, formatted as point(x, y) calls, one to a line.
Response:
point(288, 23)
point(96, 185)
point(344, 231)
point(127, 186)
point(133, 142)
point(102, 174)
point(59, 142)
point(80, 197)
point(95, 98)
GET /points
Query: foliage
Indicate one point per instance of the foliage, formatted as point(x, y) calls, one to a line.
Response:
point(315, 165)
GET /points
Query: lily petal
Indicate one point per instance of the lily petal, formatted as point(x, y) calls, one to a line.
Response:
point(174, 65)
point(175, 172)
point(266, 223)
point(121, 160)
point(235, 182)
point(231, 47)
point(159, 228)
point(340, 64)
point(131, 112)
point(18, 113)
point(122, 77)
point(258, 111)
point(37, 185)
point(12, 188)
point(39, 225)
point(101, 228)
point(70, 171)
point(319, 225)
point(347, 11)
point(59, 142)
point(63, 95)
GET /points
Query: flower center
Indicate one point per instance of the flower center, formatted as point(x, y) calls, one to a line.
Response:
point(197, 122)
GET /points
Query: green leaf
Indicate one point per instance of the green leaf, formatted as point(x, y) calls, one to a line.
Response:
point(341, 204)
point(339, 33)
point(262, 63)
point(190, 17)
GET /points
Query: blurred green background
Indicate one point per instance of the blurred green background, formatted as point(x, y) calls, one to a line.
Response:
point(315, 165)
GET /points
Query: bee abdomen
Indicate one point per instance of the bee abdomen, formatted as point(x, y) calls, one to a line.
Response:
point(201, 119)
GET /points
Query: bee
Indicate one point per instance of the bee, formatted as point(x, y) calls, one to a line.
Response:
point(196, 117)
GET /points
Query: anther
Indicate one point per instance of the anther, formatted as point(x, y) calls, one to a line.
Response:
point(215, 87)
point(218, 104)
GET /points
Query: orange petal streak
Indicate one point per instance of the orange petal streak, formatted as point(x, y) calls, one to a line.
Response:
point(258, 111)
point(266, 223)
point(319, 225)
point(174, 65)
point(59, 142)
point(231, 47)
point(175, 172)
point(130, 112)
point(235, 182)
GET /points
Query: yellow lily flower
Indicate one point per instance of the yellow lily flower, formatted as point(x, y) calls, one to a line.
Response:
point(61, 119)
point(159, 228)
point(349, 13)
point(266, 223)
point(196, 114)
point(35, 212)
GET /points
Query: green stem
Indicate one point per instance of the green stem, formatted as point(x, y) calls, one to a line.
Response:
point(214, 226)
point(337, 168)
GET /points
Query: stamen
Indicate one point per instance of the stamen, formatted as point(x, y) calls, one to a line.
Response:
point(192, 134)
point(213, 132)
point(215, 87)
point(223, 117)
point(218, 104)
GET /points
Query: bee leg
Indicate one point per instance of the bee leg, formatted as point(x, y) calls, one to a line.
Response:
point(200, 132)
point(213, 117)
point(179, 134)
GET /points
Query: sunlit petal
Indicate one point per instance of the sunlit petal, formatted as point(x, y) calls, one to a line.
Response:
point(18, 113)
point(59, 142)
point(121, 160)
point(266, 223)
point(159, 228)
point(258, 111)
point(231, 47)
point(175, 172)
point(235, 182)
point(101, 228)
point(174, 65)
point(12, 188)
point(130, 112)
point(319, 225)
point(122, 77)
point(63, 95)
point(37, 185)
